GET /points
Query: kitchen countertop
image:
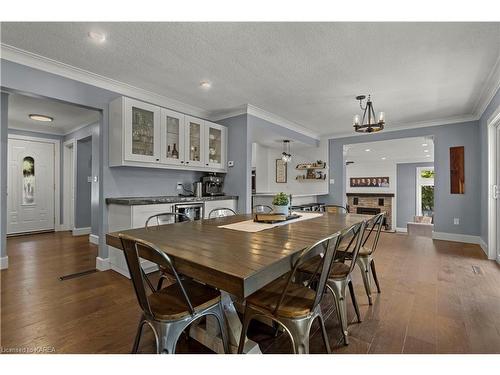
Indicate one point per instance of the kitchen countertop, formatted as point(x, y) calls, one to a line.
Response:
point(133, 201)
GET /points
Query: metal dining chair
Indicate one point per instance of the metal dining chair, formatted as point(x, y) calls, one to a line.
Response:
point(339, 277)
point(365, 258)
point(169, 311)
point(335, 209)
point(262, 209)
point(221, 212)
point(165, 218)
point(292, 305)
point(156, 221)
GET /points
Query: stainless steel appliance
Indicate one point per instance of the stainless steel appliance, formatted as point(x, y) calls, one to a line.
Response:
point(192, 210)
point(198, 189)
point(213, 185)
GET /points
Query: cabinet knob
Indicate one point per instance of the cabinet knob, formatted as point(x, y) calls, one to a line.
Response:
point(157, 159)
point(182, 161)
point(206, 164)
point(187, 162)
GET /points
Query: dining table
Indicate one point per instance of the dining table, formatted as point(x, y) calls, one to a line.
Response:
point(237, 262)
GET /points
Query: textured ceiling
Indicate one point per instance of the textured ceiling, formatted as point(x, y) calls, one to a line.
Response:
point(308, 73)
point(66, 117)
point(395, 150)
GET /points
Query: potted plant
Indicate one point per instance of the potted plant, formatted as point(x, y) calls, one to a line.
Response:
point(280, 203)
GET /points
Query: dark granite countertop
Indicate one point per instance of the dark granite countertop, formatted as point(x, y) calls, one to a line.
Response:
point(133, 201)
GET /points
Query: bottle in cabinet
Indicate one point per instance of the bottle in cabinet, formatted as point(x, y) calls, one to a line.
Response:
point(175, 153)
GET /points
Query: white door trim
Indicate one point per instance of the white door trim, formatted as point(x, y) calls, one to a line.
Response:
point(57, 171)
point(69, 185)
point(492, 124)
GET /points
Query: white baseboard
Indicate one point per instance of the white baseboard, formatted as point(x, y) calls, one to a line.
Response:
point(61, 228)
point(102, 264)
point(401, 230)
point(4, 263)
point(455, 237)
point(81, 231)
point(94, 239)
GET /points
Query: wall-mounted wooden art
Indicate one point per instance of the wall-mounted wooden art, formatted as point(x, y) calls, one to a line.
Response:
point(457, 172)
point(280, 171)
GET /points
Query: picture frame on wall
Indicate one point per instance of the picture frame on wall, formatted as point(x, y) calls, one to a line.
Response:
point(381, 182)
point(281, 172)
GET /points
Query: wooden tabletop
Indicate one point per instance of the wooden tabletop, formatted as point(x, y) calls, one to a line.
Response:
point(238, 262)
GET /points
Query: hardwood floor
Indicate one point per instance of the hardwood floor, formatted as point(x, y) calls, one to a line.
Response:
point(432, 301)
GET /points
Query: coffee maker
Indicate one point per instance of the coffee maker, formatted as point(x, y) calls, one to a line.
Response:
point(212, 184)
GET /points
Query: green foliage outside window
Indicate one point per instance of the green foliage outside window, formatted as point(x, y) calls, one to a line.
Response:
point(427, 198)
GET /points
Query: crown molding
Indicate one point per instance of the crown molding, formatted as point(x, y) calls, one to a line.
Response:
point(39, 62)
point(407, 126)
point(489, 90)
point(250, 109)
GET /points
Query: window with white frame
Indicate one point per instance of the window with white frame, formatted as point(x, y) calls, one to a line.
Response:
point(425, 191)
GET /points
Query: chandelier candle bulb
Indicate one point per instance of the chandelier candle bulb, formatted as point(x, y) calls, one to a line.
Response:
point(356, 120)
point(381, 116)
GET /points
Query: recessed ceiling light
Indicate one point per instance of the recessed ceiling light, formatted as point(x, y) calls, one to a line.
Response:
point(424, 144)
point(97, 36)
point(205, 84)
point(367, 150)
point(383, 158)
point(42, 118)
point(426, 150)
point(427, 156)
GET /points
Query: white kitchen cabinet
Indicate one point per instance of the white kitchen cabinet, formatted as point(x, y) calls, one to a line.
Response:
point(145, 135)
point(173, 130)
point(215, 143)
point(195, 142)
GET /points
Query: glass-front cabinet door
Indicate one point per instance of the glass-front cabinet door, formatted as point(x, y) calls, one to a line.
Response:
point(142, 131)
point(172, 137)
point(195, 142)
point(215, 137)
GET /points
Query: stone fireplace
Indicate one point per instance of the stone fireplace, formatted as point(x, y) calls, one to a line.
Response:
point(372, 204)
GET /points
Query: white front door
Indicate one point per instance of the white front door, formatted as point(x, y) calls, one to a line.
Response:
point(30, 186)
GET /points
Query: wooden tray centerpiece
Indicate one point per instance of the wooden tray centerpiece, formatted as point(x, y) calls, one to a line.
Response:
point(273, 218)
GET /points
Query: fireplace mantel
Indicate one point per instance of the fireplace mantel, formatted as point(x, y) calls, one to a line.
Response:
point(370, 194)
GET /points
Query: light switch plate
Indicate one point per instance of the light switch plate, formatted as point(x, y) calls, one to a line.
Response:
point(332, 181)
point(89, 178)
point(456, 221)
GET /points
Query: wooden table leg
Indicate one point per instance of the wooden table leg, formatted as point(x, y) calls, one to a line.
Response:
point(209, 335)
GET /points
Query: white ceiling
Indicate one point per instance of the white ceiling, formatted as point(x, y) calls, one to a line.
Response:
point(409, 150)
point(66, 117)
point(308, 73)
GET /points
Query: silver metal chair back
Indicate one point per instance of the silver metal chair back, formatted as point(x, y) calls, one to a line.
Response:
point(221, 212)
point(326, 250)
point(135, 249)
point(165, 218)
point(262, 209)
point(354, 237)
point(373, 225)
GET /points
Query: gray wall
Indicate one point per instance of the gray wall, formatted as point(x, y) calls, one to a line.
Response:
point(483, 124)
point(83, 190)
point(92, 131)
point(238, 178)
point(3, 173)
point(406, 175)
point(447, 206)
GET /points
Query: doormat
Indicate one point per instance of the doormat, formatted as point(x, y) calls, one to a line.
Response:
point(78, 274)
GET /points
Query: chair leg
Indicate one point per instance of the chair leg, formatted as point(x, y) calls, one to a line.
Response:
point(247, 318)
point(323, 333)
point(364, 265)
point(299, 332)
point(354, 301)
point(137, 339)
point(374, 273)
point(337, 287)
point(160, 283)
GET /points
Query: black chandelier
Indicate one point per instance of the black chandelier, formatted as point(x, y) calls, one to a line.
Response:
point(372, 126)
